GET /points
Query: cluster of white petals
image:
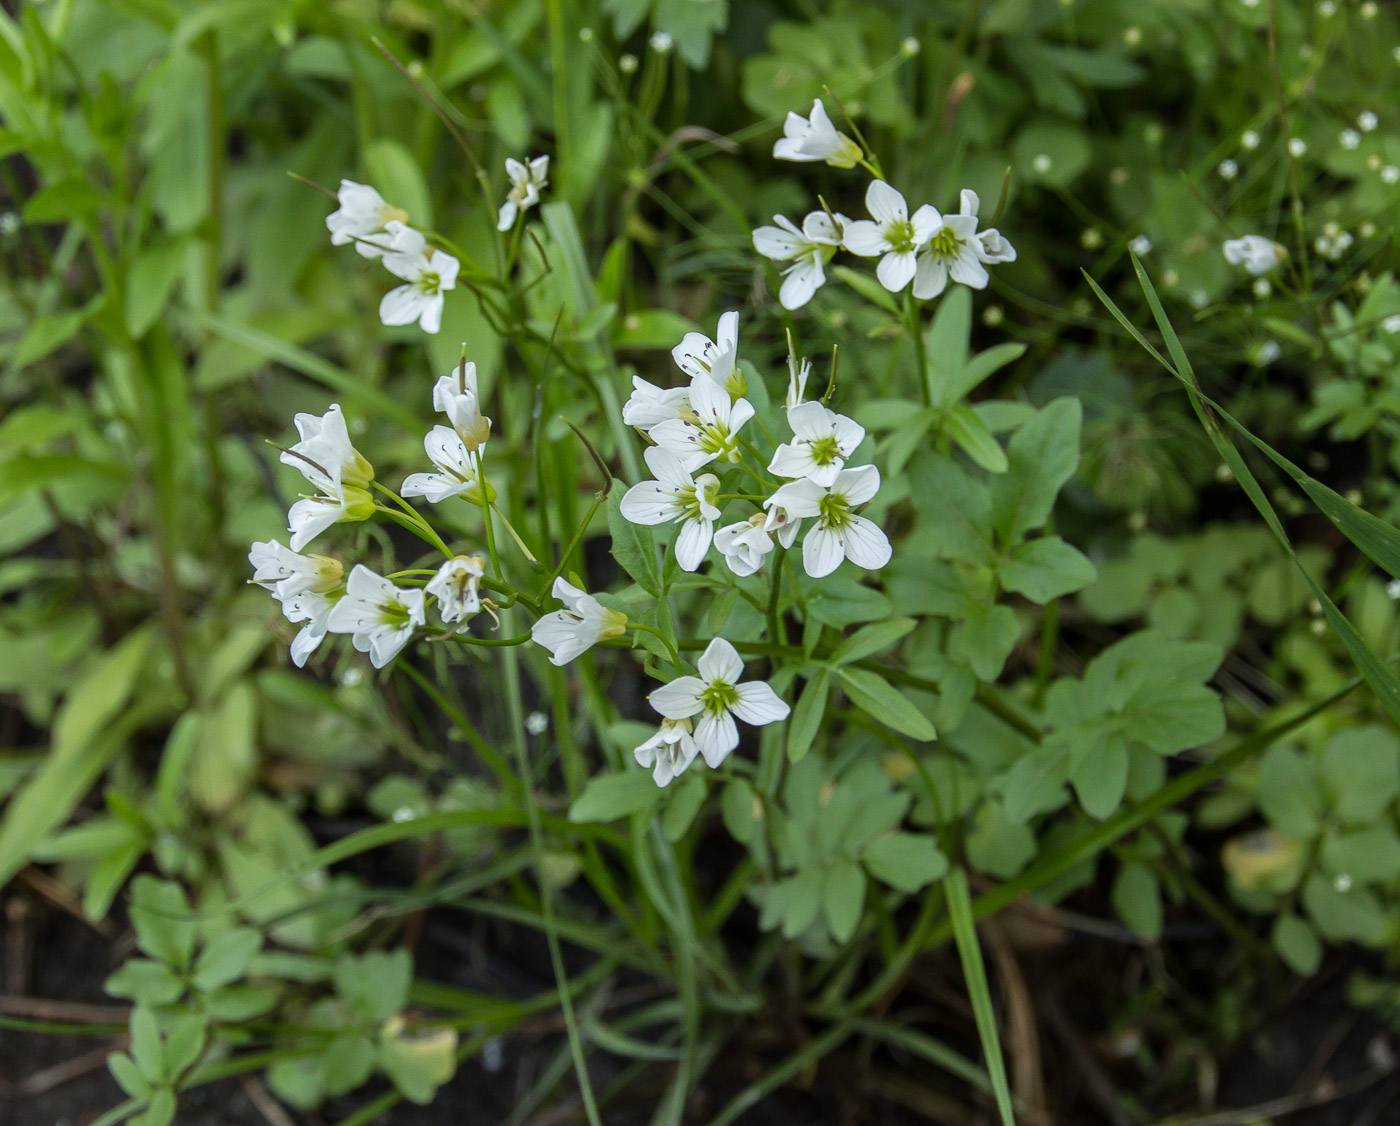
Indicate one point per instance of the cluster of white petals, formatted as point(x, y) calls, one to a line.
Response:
point(526, 182)
point(306, 586)
point(1257, 254)
point(380, 230)
point(339, 472)
point(580, 625)
point(717, 697)
point(380, 617)
point(815, 138)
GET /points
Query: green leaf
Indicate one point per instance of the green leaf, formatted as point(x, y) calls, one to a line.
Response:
point(807, 715)
point(971, 433)
point(905, 861)
point(1297, 944)
point(129, 1077)
point(880, 700)
point(986, 637)
point(610, 796)
point(1361, 772)
point(1354, 914)
point(150, 282)
point(1363, 856)
point(418, 1064)
point(1137, 897)
point(867, 287)
point(954, 510)
point(687, 796)
point(1046, 568)
point(802, 900)
point(146, 1047)
point(978, 989)
point(161, 915)
point(871, 639)
point(633, 547)
point(1035, 783)
point(394, 172)
point(1288, 794)
point(841, 602)
point(374, 984)
point(1169, 715)
point(843, 898)
point(184, 1043)
point(226, 958)
point(1099, 772)
point(145, 981)
point(1043, 455)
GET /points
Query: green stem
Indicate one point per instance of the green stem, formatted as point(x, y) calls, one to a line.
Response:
point(666, 641)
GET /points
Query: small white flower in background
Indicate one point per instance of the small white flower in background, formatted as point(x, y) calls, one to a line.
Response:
point(1390, 174)
point(1391, 324)
point(649, 404)
point(910, 47)
point(1262, 288)
point(808, 249)
point(822, 441)
point(526, 182)
point(711, 431)
point(746, 542)
point(315, 610)
point(361, 217)
point(839, 533)
point(287, 574)
point(661, 42)
point(1367, 120)
point(379, 616)
point(816, 138)
point(1140, 245)
point(667, 753)
point(578, 627)
point(537, 723)
point(717, 696)
point(458, 469)
point(798, 373)
point(1297, 146)
point(627, 63)
point(328, 460)
point(718, 360)
point(1228, 169)
point(1042, 164)
point(893, 234)
point(674, 496)
point(427, 274)
point(455, 587)
point(1267, 353)
point(1326, 8)
point(455, 394)
point(1392, 588)
point(1349, 138)
point(1249, 139)
point(1255, 253)
point(1369, 9)
point(1373, 162)
point(957, 250)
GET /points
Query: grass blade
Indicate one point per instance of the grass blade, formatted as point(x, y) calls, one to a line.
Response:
point(979, 991)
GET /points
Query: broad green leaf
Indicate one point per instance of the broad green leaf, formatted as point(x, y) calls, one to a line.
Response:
point(1361, 772)
point(1045, 568)
point(610, 796)
point(1288, 793)
point(150, 282)
point(807, 715)
point(871, 639)
point(954, 510)
point(688, 795)
point(971, 433)
point(1297, 944)
point(905, 861)
point(843, 898)
point(226, 958)
point(1362, 856)
point(1043, 455)
point(1170, 715)
point(1035, 783)
point(986, 638)
point(633, 547)
point(1354, 913)
point(418, 1063)
point(867, 287)
point(161, 915)
point(879, 699)
point(1137, 897)
point(1099, 772)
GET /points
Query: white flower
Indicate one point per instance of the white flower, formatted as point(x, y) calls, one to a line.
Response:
point(1140, 245)
point(839, 533)
point(328, 460)
point(454, 587)
point(822, 441)
point(1391, 324)
point(1349, 138)
point(1249, 139)
point(717, 697)
point(1390, 174)
point(455, 394)
point(893, 234)
point(697, 355)
point(458, 469)
point(1255, 253)
point(661, 41)
point(582, 623)
point(287, 574)
point(1367, 120)
point(526, 180)
point(1228, 169)
point(956, 250)
point(1297, 146)
point(808, 249)
point(380, 616)
point(362, 215)
point(798, 373)
point(649, 404)
point(669, 751)
point(307, 586)
point(676, 496)
point(428, 274)
point(1267, 353)
point(711, 431)
point(815, 138)
point(745, 543)
point(315, 610)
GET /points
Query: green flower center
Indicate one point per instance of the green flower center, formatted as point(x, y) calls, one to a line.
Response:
point(945, 244)
point(825, 450)
point(428, 282)
point(392, 614)
point(834, 511)
point(718, 697)
point(900, 236)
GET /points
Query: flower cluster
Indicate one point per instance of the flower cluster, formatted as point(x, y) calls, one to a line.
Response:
point(926, 248)
point(698, 426)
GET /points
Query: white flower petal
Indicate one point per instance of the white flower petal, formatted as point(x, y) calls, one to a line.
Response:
point(759, 704)
point(720, 661)
point(678, 700)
